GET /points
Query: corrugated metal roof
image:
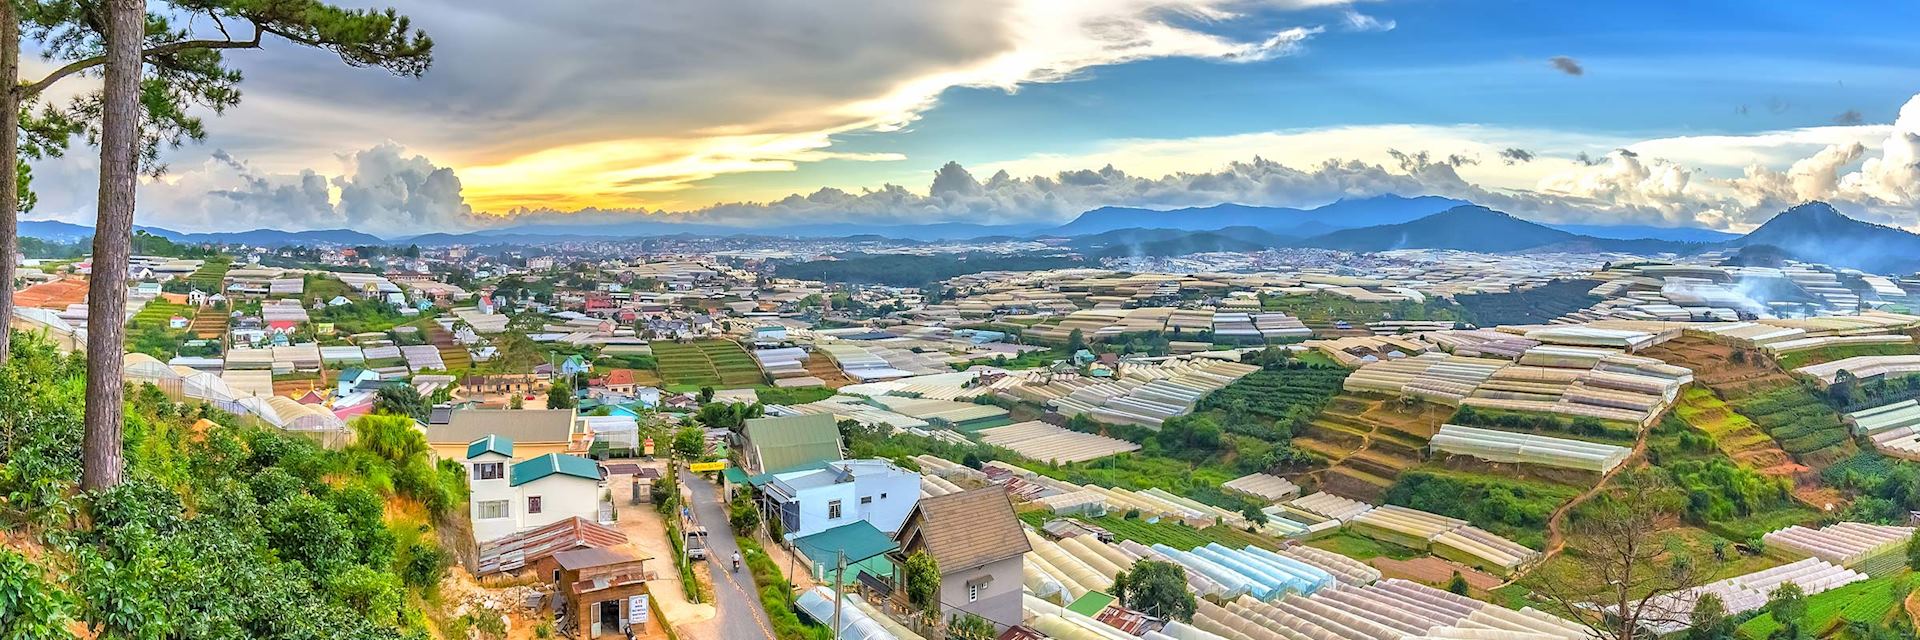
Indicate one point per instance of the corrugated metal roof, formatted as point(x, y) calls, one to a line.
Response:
point(551, 464)
point(787, 443)
point(492, 443)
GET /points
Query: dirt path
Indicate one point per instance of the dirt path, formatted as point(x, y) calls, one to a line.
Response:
point(1556, 524)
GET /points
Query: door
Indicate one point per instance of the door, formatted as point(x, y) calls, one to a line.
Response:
point(610, 616)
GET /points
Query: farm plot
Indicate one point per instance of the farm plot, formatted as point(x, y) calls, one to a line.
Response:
point(1732, 433)
point(1870, 601)
point(1755, 388)
point(455, 356)
point(1278, 394)
point(1367, 442)
point(717, 363)
point(209, 324)
point(210, 276)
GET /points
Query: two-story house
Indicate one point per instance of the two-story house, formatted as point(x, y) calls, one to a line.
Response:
point(844, 491)
point(509, 497)
point(979, 546)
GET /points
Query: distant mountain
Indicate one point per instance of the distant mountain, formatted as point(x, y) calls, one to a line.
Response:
point(1342, 214)
point(1477, 228)
point(1815, 232)
point(1638, 232)
point(56, 231)
point(1175, 242)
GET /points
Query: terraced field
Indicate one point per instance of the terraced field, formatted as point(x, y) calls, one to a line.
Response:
point(1742, 440)
point(452, 353)
point(1368, 442)
point(716, 363)
point(208, 324)
point(1799, 359)
point(158, 312)
point(1756, 388)
point(210, 276)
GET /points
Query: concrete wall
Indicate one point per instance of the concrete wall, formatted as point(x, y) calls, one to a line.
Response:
point(999, 599)
point(561, 497)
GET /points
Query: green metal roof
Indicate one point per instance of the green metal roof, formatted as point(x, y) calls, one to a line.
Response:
point(551, 464)
point(1091, 604)
point(734, 475)
point(492, 443)
point(859, 540)
point(782, 444)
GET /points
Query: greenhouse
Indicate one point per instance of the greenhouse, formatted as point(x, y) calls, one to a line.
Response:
point(1744, 593)
point(859, 620)
point(1876, 550)
point(1036, 440)
point(1504, 446)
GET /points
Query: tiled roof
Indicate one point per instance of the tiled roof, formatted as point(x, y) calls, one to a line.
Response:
point(966, 529)
point(553, 463)
point(521, 425)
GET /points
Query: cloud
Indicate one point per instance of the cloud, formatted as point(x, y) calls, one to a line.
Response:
point(1568, 65)
point(1356, 21)
point(1849, 117)
point(1515, 155)
point(381, 189)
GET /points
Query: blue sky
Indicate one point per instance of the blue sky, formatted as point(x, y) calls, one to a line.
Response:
point(1727, 110)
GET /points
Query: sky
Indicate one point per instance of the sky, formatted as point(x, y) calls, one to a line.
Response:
point(768, 112)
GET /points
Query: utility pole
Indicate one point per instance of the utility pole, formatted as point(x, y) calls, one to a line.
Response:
point(839, 572)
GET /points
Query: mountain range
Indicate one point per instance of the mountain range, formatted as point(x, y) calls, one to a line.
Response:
point(1812, 232)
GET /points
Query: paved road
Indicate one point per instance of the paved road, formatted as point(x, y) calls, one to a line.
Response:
point(738, 615)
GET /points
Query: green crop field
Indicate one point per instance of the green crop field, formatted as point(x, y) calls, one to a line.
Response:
point(1870, 601)
point(211, 275)
point(1799, 359)
point(1172, 534)
point(1801, 422)
point(717, 363)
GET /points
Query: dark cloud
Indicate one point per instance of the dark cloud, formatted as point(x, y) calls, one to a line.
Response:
point(1849, 117)
point(1515, 155)
point(1568, 65)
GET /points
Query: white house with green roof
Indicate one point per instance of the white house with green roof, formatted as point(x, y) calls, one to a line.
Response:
point(509, 497)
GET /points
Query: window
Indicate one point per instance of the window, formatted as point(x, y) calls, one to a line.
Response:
point(491, 509)
point(866, 500)
point(489, 470)
point(533, 504)
point(833, 510)
point(973, 592)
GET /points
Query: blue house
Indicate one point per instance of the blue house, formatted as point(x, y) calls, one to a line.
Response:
point(352, 378)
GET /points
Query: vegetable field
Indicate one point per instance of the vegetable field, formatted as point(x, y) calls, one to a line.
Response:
point(210, 276)
point(1870, 601)
point(716, 363)
point(1801, 422)
point(1278, 394)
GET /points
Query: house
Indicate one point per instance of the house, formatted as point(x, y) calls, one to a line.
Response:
point(842, 492)
point(352, 378)
point(575, 365)
point(603, 590)
point(535, 432)
point(621, 381)
point(509, 497)
point(979, 545)
point(776, 445)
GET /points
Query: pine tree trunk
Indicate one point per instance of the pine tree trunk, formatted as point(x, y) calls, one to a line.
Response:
point(10, 155)
point(112, 242)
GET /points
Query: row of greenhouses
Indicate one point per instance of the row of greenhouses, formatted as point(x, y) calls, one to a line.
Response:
point(1872, 549)
point(1527, 448)
point(1450, 538)
point(1743, 593)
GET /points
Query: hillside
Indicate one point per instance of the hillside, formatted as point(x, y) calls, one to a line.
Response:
point(1341, 214)
point(1469, 228)
point(1816, 232)
point(1175, 242)
point(1645, 232)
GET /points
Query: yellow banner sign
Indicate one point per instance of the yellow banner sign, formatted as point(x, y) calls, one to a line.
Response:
point(703, 467)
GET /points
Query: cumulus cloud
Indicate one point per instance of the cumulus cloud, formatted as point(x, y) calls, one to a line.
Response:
point(1567, 65)
point(1515, 155)
point(382, 189)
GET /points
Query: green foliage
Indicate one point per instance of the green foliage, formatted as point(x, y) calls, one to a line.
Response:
point(743, 514)
point(1718, 490)
point(1513, 508)
point(402, 400)
point(1158, 589)
point(731, 416)
point(30, 607)
point(968, 626)
point(1535, 305)
point(1795, 417)
point(1870, 601)
point(689, 443)
point(1458, 584)
point(561, 396)
point(1586, 427)
point(776, 594)
point(1709, 619)
point(922, 579)
point(1787, 605)
point(787, 396)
